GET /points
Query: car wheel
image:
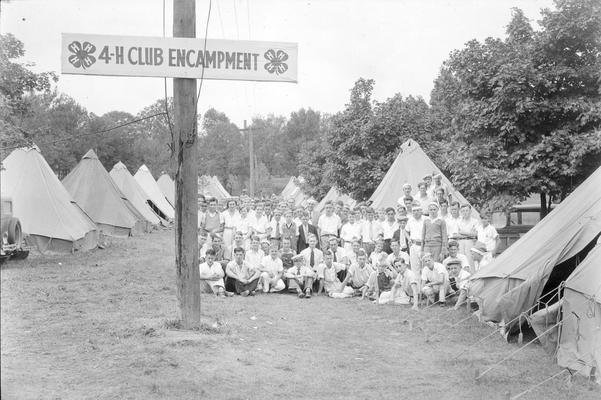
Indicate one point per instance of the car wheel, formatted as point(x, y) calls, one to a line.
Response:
point(15, 235)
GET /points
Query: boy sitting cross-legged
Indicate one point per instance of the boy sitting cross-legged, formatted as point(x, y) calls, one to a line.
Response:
point(404, 288)
point(302, 275)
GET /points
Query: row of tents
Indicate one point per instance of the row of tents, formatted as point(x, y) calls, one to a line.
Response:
point(550, 277)
point(69, 215)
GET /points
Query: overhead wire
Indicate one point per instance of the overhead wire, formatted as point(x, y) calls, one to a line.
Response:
point(172, 144)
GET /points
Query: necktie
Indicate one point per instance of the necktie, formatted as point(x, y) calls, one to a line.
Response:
point(334, 251)
point(312, 259)
point(277, 229)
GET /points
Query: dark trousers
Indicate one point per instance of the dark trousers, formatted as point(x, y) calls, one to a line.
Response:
point(234, 285)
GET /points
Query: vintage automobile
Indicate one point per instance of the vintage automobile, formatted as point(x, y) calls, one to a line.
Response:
point(12, 244)
point(514, 224)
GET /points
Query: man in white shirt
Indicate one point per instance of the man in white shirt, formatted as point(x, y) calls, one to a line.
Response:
point(302, 275)
point(245, 277)
point(415, 226)
point(260, 222)
point(422, 196)
point(255, 255)
point(389, 226)
point(458, 281)
point(467, 231)
point(312, 255)
point(407, 189)
point(370, 231)
point(487, 234)
point(350, 231)
point(272, 271)
point(212, 273)
point(405, 287)
point(452, 220)
point(329, 223)
point(435, 280)
point(357, 276)
point(453, 247)
point(397, 254)
point(274, 228)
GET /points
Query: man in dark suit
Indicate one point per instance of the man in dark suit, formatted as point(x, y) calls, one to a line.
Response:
point(304, 232)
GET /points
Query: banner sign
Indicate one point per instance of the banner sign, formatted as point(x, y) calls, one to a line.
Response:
point(239, 60)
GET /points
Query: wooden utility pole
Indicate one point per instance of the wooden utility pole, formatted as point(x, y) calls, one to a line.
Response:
point(251, 159)
point(186, 190)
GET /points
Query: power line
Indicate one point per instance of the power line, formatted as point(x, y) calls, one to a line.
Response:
point(81, 134)
point(202, 74)
point(236, 18)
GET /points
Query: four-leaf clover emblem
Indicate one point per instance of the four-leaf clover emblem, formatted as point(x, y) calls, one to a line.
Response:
point(276, 62)
point(82, 54)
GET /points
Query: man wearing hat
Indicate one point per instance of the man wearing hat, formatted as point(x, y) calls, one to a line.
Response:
point(458, 280)
point(480, 256)
point(302, 275)
point(401, 235)
point(435, 280)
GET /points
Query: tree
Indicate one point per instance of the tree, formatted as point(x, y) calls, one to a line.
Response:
point(303, 128)
point(365, 138)
point(17, 82)
point(221, 148)
point(523, 113)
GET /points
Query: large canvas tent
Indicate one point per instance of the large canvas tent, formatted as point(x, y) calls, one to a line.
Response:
point(580, 334)
point(153, 192)
point(548, 253)
point(209, 186)
point(292, 190)
point(167, 187)
point(290, 186)
point(134, 193)
point(410, 166)
point(48, 213)
point(95, 191)
point(334, 195)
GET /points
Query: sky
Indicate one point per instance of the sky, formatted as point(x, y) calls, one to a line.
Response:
point(401, 44)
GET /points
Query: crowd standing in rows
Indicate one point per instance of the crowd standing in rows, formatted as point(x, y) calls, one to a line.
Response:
point(424, 250)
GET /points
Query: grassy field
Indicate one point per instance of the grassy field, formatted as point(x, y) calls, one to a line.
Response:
point(104, 325)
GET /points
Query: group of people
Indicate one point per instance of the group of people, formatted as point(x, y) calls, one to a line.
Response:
point(423, 250)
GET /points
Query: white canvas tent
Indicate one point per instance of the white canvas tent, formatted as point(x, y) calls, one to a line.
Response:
point(94, 190)
point(209, 186)
point(134, 193)
point(153, 192)
point(516, 279)
point(410, 166)
point(48, 213)
point(334, 195)
point(167, 187)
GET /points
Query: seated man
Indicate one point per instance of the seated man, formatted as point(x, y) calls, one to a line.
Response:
point(219, 250)
point(356, 278)
point(203, 246)
point(435, 279)
point(397, 253)
point(458, 281)
point(378, 254)
point(327, 274)
point(380, 280)
point(271, 272)
point(244, 278)
point(212, 273)
point(302, 276)
point(404, 288)
point(338, 258)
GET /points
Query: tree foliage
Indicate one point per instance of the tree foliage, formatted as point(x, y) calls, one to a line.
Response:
point(524, 112)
